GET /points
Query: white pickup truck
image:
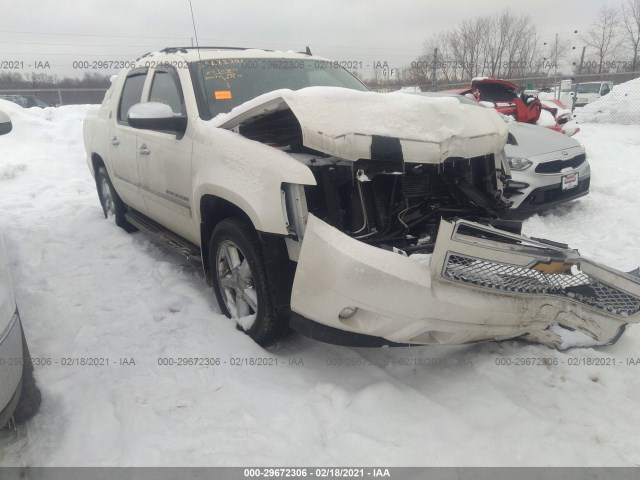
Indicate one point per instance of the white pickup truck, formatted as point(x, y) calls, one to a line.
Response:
point(350, 216)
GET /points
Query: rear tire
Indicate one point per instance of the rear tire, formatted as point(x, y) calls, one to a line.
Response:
point(251, 280)
point(112, 204)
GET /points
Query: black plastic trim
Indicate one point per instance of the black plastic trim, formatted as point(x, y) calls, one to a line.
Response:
point(527, 207)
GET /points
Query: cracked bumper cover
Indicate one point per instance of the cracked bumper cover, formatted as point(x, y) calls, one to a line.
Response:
point(481, 285)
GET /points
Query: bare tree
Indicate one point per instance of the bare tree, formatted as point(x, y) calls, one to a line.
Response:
point(500, 45)
point(603, 35)
point(521, 47)
point(466, 44)
point(552, 54)
point(498, 39)
point(631, 23)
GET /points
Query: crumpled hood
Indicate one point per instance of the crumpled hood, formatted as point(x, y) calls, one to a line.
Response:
point(535, 140)
point(345, 123)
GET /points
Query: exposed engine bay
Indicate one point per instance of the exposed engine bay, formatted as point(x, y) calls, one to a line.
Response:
point(386, 201)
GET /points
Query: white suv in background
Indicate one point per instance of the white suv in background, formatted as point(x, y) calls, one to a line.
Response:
point(590, 91)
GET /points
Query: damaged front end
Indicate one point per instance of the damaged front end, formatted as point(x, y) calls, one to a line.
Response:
point(400, 240)
point(396, 205)
point(480, 284)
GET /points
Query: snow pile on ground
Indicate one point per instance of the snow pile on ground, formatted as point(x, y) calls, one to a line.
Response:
point(411, 89)
point(620, 106)
point(86, 289)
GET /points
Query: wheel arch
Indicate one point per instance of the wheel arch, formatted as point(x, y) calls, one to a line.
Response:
point(212, 210)
point(96, 163)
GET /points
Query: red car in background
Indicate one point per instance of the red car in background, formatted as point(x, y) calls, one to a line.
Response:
point(504, 97)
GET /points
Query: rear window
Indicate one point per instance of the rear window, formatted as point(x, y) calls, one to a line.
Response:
point(131, 92)
point(227, 83)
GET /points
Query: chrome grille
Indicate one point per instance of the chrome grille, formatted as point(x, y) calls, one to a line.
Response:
point(514, 278)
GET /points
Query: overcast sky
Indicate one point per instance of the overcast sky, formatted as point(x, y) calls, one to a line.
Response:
point(361, 30)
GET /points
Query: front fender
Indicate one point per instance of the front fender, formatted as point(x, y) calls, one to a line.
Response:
point(246, 173)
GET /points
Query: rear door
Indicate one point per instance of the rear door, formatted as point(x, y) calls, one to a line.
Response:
point(122, 138)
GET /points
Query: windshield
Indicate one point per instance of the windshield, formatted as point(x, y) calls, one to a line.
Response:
point(227, 83)
point(589, 88)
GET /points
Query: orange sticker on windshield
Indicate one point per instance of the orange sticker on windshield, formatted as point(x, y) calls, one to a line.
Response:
point(222, 94)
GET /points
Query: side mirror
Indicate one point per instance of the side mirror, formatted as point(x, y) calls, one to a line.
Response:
point(5, 123)
point(156, 116)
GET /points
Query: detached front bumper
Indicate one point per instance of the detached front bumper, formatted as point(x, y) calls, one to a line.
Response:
point(481, 284)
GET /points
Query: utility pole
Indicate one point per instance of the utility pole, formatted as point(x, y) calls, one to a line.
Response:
point(555, 69)
point(434, 83)
point(575, 89)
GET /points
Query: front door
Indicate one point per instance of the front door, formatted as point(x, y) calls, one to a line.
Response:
point(164, 160)
point(122, 142)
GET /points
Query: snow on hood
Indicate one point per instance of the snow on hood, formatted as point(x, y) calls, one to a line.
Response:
point(343, 122)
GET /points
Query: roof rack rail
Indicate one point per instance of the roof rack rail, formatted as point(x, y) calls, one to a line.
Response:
point(184, 49)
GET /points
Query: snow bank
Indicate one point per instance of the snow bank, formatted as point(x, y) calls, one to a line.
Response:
point(620, 106)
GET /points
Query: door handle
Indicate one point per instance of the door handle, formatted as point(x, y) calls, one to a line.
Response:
point(143, 150)
point(115, 141)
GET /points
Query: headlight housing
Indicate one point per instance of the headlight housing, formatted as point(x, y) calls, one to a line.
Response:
point(519, 164)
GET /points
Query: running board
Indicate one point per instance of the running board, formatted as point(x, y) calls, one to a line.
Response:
point(159, 233)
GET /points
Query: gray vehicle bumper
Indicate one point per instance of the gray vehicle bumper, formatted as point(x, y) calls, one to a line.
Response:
point(11, 364)
point(545, 197)
point(532, 191)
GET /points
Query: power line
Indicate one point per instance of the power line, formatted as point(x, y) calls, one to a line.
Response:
point(80, 45)
point(90, 35)
point(185, 37)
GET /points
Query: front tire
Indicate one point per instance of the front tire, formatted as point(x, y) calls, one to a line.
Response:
point(251, 280)
point(112, 204)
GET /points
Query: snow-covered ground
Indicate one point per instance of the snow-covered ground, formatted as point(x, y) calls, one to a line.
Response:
point(87, 289)
point(621, 106)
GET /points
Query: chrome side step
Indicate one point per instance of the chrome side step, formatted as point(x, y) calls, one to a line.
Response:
point(159, 233)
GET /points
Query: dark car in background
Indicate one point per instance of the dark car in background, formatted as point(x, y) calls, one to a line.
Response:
point(26, 101)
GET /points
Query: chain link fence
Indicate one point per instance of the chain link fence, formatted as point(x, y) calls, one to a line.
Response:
point(594, 98)
point(53, 97)
point(606, 98)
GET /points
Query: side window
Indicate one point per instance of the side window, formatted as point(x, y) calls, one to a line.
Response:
point(165, 88)
point(131, 92)
point(605, 89)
